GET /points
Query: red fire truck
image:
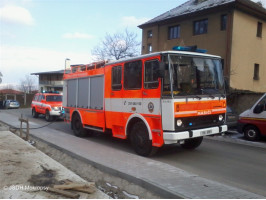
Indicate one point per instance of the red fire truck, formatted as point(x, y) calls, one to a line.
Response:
point(152, 100)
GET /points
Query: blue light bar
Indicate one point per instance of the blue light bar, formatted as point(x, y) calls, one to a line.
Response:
point(50, 92)
point(189, 48)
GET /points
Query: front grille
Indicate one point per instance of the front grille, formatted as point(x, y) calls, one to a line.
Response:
point(199, 122)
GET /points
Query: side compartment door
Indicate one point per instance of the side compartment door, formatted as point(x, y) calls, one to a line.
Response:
point(71, 93)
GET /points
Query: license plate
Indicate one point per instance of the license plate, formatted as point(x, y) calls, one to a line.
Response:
point(208, 132)
point(231, 117)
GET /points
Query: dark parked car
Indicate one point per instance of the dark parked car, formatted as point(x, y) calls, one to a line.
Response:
point(231, 118)
point(11, 104)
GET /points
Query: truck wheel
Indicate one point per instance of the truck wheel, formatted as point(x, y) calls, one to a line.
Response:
point(34, 113)
point(140, 141)
point(251, 133)
point(192, 143)
point(78, 129)
point(48, 117)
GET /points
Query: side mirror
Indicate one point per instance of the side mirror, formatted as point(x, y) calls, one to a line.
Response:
point(161, 70)
point(258, 109)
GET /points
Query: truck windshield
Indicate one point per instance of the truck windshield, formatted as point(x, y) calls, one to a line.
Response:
point(187, 75)
point(55, 98)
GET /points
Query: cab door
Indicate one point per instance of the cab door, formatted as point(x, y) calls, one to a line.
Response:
point(259, 114)
point(40, 104)
point(114, 102)
point(151, 93)
point(132, 88)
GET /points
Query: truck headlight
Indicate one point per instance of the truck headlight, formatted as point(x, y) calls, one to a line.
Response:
point(179, 122)
point(55, 108)
point(221, 117)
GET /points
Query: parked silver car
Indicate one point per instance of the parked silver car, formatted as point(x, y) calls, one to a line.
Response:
point(11, 104)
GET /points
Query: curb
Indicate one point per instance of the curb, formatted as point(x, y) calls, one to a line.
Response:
point(143, 183)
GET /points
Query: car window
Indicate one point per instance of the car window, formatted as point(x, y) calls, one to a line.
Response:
point(40, 97)
point(36, 97)
point(228, 109)
point(57, 98)
point(263, 103)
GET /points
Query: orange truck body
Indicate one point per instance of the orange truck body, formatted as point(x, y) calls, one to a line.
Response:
point(109, 97)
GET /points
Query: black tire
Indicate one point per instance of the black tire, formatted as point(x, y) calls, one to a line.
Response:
point(251, 133)
point(48, 117)
point(34, 113)
point(140, 141)
point(192, 143)
point(78, 129)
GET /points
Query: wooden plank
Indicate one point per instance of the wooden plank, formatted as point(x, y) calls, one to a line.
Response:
point(64, 193)
point(81, 187)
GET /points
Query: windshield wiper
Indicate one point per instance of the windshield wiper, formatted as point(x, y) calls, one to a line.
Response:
point(198, 97)
point(208, 93)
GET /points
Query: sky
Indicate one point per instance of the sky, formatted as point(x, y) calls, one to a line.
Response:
point(38, 35)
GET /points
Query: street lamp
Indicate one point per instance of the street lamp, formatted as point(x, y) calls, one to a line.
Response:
point(1, 77)
point(67, 64)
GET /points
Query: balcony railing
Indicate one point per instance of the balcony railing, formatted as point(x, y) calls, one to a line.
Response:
point(51, 83)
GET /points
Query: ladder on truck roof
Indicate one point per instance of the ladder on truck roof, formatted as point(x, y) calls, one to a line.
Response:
point(87, 67)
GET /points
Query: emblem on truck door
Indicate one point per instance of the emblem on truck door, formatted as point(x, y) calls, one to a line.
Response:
point(150, 107)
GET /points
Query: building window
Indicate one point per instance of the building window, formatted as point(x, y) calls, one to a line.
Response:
point(201, 27)
point(151, 74)
point(173, 32)
point(223, 22)
point(256, 72)
point(149, 33)
point(149, 48)
point(133, 75)
point(116, 78)
point(259, 30)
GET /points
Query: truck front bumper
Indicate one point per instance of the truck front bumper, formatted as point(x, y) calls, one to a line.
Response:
point(174, 137)
point(55, 113)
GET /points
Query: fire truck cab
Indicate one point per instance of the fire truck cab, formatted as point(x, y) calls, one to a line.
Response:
point(155, 99)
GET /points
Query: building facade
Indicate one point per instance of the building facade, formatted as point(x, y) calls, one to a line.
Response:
point(232, 29)
point(50, 81)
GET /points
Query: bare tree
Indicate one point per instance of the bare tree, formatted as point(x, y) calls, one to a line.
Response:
point(117, 46)
point(260, 3)
point(27, 85)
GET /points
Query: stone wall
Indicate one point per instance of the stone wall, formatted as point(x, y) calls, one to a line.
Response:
point(241, 101)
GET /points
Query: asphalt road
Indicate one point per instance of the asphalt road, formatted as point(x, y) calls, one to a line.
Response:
point(233, 164)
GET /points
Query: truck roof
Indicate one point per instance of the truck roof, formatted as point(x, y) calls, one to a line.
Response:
point(188, 53)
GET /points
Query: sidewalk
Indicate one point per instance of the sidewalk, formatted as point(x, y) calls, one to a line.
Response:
point(27, 173)
point(164, 179)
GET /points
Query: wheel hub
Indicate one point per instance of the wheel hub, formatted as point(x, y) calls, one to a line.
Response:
point(251, 133)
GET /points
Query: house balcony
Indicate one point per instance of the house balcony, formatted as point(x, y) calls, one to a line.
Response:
point(51, 83)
